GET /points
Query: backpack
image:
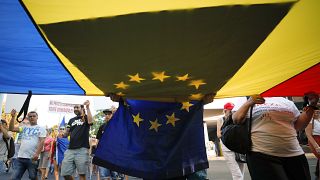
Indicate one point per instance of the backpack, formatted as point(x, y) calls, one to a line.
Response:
point(10, 147)
point(237, 137)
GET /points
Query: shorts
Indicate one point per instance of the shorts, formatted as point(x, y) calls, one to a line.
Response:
point(75, 158)
point(44, 160)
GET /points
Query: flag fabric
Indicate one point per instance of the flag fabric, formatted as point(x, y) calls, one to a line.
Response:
point(63, 123)
point(62, 146)
point(154, 140)
point(174, 49)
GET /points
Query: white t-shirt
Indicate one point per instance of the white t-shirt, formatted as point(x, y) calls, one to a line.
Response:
point(30, 140)
point(316, 127)
point(273, 131)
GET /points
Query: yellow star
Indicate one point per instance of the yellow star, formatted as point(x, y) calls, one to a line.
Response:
point(137, 119)
point(186, 105)
point(197, 96)
point(155, 125)
point(183, 78)
point(172, 120)
point(197, 83)
point(160, 76)
point(136, 78)
point(120, 94)
point(121, 85)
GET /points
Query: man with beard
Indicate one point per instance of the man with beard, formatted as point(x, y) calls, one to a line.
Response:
point(77, 155)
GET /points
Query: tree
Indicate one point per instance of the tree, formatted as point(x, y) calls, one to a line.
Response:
point(98, 121)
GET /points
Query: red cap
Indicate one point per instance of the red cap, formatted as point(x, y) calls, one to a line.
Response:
point(228, 106)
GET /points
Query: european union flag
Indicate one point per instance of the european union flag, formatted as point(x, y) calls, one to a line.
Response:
point(63, 123)
point(62, 146)
point(154, 140)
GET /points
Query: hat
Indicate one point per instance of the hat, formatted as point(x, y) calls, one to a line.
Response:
point(228, 106)
point(107, 111)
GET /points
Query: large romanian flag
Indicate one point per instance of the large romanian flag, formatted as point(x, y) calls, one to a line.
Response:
point(167, 50)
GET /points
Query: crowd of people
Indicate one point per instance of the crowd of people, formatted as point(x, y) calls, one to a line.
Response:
point(36, 149)
point(275, 153)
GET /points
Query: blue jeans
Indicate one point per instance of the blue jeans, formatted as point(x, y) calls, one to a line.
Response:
point(2, 167)
point(104, 173)
point(23, 164)
point(202, 174)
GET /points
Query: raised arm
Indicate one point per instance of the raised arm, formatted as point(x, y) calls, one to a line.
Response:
point(11, 123)
point(304, 119)
point(306, 116)
point(240, 115)
point(89, 115)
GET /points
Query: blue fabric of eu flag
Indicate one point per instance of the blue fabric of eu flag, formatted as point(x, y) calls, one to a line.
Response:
point(154, 140)
point(62, 146)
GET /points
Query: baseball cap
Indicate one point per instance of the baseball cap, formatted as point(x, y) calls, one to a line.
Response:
point(107, 111)
point(228, 106)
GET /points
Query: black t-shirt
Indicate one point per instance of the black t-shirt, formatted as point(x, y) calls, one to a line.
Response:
point(79, 132)
point(101, 130)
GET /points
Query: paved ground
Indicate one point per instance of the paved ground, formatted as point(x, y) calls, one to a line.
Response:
point(218, 170)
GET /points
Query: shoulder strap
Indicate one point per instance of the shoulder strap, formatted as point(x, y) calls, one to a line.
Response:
point(6, 141)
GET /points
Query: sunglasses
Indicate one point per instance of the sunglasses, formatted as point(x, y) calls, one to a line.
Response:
point(107, 113)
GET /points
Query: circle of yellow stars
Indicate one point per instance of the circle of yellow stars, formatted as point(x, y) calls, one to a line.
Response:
point(162, 76)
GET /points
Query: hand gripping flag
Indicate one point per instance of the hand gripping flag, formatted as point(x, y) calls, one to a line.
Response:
point(154, 140)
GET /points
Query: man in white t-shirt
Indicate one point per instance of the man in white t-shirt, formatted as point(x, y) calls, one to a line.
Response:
point(32, 140)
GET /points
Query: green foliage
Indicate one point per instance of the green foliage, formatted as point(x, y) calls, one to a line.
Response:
point(98, 121)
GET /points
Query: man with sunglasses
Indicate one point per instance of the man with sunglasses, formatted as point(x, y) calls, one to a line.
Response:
point(32, 140)
point(77, 155)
